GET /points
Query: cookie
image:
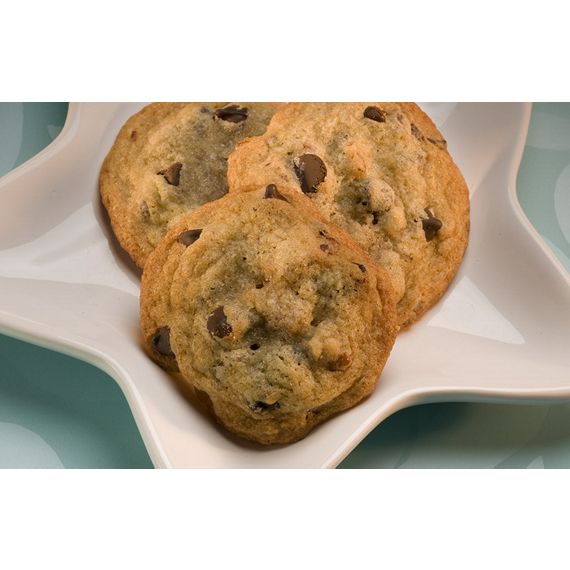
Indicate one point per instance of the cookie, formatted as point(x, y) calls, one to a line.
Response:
point(277, 315)
point(169, 159)
point(383, 173)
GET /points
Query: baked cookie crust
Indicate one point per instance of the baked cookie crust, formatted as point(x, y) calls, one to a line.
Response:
point(382, 172)
point(274, 313)
point(168, 159)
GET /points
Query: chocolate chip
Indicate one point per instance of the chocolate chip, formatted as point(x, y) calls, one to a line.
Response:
point(172, 173)
point(361, 267)
point(134, 135)
point(431, 225)
point(189, 237)
point(331, 245)
point(161, 341)
point(272, 192)
point(232, 113)
point(218, 324)
point(375, 218)
point(311, 171)
point(259, 286)
point(254, 346)
point(417, 133)
point(440, 143)
point(260, 406)
point(375, 114)
point(340, 363)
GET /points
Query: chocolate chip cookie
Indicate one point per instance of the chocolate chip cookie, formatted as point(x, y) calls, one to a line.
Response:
point(277, 315)
point(382, 172)
point(169, 159)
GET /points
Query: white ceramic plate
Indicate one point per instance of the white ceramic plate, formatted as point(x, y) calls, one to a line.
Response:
point(501, 332)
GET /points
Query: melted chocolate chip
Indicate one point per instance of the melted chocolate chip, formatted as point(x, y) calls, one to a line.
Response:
point(189, 237)
point(440, 143)
point(161, 341)
point(264, 406)
point(172, 173)
point(431, 225)
point(311, 171)
point(232, 113)
point(218, 324)
point(272, 192)
point(375, 114)
point(332, 242)
point(340, 363)
point(361, 267)
point(417, 133)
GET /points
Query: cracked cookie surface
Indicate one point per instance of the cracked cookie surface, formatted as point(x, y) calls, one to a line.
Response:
point(169, 159)
point(277, 315)
point(382, 172)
